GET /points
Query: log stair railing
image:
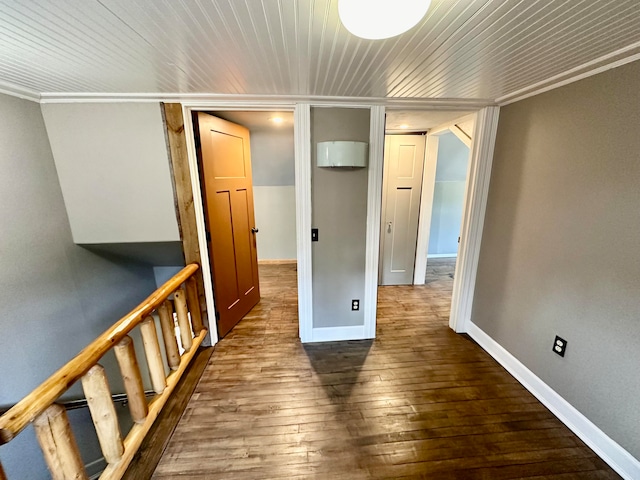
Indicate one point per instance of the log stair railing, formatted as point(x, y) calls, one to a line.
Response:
point(49, 419)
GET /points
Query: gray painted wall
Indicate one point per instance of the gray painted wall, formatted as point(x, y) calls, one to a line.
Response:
point(453, 159)
point(272, 157)
point(448, 195)
point(114, 171)
point(560, 245)
point(272, 163)
point(339, 204)
point(56, 297)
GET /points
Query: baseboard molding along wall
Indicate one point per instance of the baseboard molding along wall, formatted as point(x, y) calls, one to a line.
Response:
point(337, 334)
point(617, 457)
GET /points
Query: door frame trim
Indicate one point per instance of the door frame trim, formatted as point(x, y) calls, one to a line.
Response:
point(196, 187)
point(473, 214)
point(302, 155)
point(428, 189)
point(426, 207)
point(477, 192)
point(308, 333)
point(374, 217)
point(475, 202)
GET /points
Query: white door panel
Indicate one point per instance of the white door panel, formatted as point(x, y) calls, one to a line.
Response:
point(403, 164)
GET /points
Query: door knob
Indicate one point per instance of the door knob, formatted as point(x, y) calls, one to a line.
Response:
point(254, 230)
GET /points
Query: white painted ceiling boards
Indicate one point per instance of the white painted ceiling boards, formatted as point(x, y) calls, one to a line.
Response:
point(476, 50)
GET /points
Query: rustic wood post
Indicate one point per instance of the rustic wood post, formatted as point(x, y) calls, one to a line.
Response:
point(183, 190)
point(96, 389)
point(153, 354)
point(126, 356)
point(59, 445)
point(183, 318)
point(194, 305)
point(165, 311)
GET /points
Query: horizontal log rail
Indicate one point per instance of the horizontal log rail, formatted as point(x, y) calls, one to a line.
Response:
point(50, 420)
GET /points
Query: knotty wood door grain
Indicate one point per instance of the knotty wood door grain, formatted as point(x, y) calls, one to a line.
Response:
point(225, 159)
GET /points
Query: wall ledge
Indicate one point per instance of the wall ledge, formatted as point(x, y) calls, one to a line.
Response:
point(606, 448)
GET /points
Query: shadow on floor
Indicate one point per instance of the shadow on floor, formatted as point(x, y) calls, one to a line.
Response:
point(338, 365)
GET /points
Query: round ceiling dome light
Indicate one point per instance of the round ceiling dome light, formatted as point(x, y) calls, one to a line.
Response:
point(378, 19)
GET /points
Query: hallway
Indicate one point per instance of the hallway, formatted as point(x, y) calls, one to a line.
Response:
point(418, 402)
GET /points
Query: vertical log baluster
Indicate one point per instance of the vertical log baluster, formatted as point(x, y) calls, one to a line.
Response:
point(165, 311)
point(126, 356)
point(153, 354)
point(183, 319)
point(59, 445)
point(96, 389)
point(194, 305)
point(2, 474)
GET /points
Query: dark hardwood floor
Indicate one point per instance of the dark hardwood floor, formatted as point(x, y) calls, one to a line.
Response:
point(418, 402)
point(440, 273)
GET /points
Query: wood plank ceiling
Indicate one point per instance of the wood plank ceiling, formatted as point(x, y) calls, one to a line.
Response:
point(464, 49)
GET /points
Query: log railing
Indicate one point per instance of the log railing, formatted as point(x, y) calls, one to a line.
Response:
point(50, 419)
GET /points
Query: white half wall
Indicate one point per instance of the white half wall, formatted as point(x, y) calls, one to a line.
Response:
point(275, 212)
point(113, 168)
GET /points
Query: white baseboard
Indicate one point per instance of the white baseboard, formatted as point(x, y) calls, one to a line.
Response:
point(336, 334)
point(617, 457)
point(442, 255)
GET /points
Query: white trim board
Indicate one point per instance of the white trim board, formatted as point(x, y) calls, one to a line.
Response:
point(17, 91)
point(302, 149)
point(611, 60)
point(426, 208)
point(617, 457)
point(442, 255)
point(475, 204)
point(374, 212)
point(337, 334)
point(428, 189)
point(308, 333)
point(216, 99)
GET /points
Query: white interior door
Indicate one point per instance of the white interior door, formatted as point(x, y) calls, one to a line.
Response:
point(402, 181)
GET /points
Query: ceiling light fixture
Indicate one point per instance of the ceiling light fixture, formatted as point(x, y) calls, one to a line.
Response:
point(277, 120)
point(404, 126)
point(378, 19)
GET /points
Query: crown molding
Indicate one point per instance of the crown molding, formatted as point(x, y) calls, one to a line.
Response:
point(601, 64)
point(202, 99)
point(20, 92)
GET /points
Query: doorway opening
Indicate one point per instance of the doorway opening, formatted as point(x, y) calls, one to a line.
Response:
point(426, 165)
point(248, 198)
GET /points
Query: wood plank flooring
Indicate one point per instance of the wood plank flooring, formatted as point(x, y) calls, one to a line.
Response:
point(418, 402)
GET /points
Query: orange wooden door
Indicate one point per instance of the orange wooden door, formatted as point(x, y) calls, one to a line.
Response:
point(224, 155)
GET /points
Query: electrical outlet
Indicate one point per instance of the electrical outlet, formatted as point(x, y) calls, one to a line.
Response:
point(560, 346)
point(355, 304)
